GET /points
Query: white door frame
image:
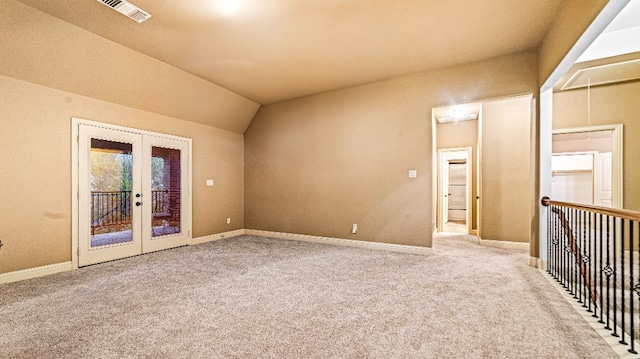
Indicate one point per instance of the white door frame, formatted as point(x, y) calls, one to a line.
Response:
point(616, 157)
point(75, 172)
point(444, 156)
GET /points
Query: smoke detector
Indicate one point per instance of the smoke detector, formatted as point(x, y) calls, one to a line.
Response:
point(127, 9)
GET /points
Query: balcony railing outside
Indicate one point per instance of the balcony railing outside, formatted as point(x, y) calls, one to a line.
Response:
point(593, 252)
point(111, 210)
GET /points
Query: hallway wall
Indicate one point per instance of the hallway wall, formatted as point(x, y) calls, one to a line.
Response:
point(507, 181)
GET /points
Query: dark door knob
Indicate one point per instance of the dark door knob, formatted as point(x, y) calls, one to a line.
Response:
point(138, 195)
point(138, 203)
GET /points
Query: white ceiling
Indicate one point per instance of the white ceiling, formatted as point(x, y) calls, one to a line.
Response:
point(621, 37)
point(272, 50)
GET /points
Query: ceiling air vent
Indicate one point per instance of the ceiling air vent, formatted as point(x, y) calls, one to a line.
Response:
point(127, 9)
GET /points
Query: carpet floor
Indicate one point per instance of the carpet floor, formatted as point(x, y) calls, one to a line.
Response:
point(254, 297)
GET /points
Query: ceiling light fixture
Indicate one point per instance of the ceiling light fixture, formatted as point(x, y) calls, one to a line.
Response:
point(457, 117)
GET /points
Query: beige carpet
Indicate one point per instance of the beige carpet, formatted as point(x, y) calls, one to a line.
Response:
point(253, 297)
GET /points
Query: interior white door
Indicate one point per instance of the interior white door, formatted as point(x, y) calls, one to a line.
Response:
point(445, 192)
point(457, 191)
point(602, 179)
point(109, 189)
point(133, 193)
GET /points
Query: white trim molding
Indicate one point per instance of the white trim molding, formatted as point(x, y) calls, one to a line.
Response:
point(504, 244)
point(35, 272)
point(399, 248)
point(216, 237)
point(538, 263)
point(68, 266)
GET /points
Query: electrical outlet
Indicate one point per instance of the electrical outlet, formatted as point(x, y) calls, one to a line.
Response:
point(229, 220)
point(354, 229)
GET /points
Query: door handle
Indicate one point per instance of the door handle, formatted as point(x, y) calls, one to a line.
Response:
point(138, 203)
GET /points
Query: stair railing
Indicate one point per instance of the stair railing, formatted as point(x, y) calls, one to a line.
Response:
point(594, 253)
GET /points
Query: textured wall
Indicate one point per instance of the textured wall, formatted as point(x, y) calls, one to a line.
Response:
point(317, 164)
point(35, 142)
point(507, 185)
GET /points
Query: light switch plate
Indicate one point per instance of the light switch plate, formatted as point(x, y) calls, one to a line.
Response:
point(210, 183)
point(413, 173)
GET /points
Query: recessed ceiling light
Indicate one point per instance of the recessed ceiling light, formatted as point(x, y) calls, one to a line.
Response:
point(228, 7)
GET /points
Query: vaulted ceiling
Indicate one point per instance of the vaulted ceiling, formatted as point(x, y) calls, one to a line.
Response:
point(272, 50)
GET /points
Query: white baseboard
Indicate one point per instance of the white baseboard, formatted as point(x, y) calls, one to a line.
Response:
point(504, 244)
point(67, 266)
point(538, 263)
point(400, 248)
point(35, 272)
point(216, 237)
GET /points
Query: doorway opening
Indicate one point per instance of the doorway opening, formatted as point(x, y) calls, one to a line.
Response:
point(587, 165)
point(454, 190)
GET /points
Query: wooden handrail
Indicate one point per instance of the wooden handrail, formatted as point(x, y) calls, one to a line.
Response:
point(615, 212)
point(584, 267)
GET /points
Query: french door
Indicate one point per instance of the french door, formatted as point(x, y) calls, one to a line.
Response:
point(133, 192)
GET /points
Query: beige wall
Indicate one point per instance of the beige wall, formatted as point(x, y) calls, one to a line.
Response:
point(51, 71)
point(611, 104)
point(462, 134)
point(571, 21)
point(35, 142)
point(317, 164)
point(583, 145)
point(507, 180)
point(42, 49)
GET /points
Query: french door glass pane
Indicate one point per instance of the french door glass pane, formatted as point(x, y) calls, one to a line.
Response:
point(111, 179)
point(165, 191)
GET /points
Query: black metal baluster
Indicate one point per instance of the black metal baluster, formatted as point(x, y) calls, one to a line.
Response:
point(579, 232)
point(601, 321)
point(559, 247)
point(585, 258)
point(559, 253)
point(567, 249)
point(592, 288)
point(608, 271)
point(632, 289)
point(615, 282)
point(549, 231)
point(622, 222)
point(576, 255)
point(595, 263)
point(554, 241)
